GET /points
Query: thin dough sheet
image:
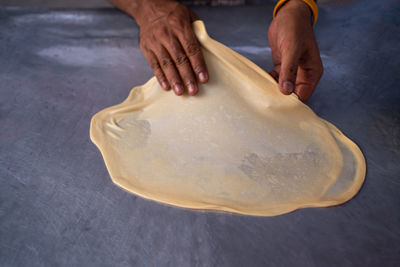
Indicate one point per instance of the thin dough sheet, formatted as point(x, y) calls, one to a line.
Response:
point(239, 145)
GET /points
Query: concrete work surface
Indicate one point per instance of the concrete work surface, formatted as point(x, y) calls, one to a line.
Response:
point(58, 206)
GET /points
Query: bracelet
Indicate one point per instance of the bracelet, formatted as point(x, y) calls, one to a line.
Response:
point(311, 3)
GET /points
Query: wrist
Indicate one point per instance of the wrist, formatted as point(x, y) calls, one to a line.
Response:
point(296, 8)
point(138, 9)
point(145, 11)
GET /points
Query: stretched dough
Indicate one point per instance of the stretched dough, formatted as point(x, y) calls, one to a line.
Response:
point(239, 145)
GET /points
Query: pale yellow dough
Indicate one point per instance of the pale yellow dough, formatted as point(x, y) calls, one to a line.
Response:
point(239, 145)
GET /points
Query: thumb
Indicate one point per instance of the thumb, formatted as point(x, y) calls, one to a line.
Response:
point(288, 73)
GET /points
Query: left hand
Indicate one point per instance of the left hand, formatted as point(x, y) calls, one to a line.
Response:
point(297, 63)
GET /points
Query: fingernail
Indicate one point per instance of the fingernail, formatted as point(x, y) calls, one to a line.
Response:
point(164, 85)
point(192, 88)
point(178, 89)
point(288, 87)
point(203, 77)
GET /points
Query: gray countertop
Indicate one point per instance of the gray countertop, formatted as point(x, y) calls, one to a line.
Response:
point(58, 206)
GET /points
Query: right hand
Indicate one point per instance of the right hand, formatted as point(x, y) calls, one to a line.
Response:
point(297, 63)
point(170, 45)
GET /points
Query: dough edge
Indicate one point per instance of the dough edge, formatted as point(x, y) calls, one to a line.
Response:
point(207, 41)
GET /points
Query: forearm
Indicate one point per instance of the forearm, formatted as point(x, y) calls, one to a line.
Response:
point(311, 6)
point(128, 6)
point(298, 9)
point(141, 10)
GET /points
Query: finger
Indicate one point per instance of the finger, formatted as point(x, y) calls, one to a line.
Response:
point(276, 59)
point(192, 49)
point(156, 68)
point(288, 73)
point(304, 90)
point(171, 73)
point(309, 74)
point(307, 80)
point(274, 75)
point(183, 65)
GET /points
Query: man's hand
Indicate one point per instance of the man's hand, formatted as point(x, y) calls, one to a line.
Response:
point(297, 63)
point(170, 45)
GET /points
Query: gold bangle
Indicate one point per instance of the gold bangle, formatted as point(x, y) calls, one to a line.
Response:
point(311, 3)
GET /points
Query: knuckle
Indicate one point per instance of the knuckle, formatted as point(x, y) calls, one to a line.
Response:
point(166, 62)
point(154, 65)
point(162, 31)
point(181, 59)
point(189, 82)
point(199, 68)
point(193, 49)
point(176, 21)
point(160, 77)
point(175, 82)
point(149, 38)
